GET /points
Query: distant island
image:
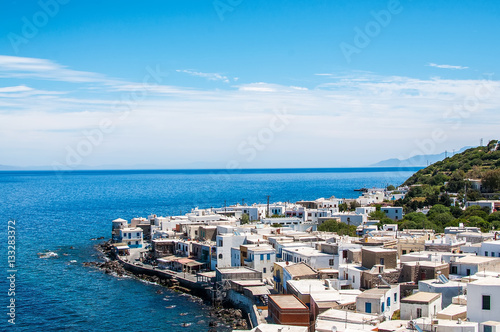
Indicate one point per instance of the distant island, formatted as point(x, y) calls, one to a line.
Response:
point(419, 160)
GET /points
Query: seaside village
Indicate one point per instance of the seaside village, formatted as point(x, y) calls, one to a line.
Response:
point(271, 261)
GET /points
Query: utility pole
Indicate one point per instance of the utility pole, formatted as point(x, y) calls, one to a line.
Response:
point(267, 215)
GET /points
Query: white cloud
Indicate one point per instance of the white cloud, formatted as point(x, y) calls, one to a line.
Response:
point(447, 66)
point(360, 112)
point(209, 76)
point(21, 67)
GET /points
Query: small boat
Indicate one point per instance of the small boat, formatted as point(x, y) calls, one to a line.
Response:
point(186, 324)
point(171, 306)
point(183, 313)
point(49, 254)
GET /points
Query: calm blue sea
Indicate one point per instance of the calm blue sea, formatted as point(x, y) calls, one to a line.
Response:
point(61, 212)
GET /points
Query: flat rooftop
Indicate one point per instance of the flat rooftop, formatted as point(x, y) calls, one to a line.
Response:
point(421, 297)
point(308, 286)
point(488, 281)
point(453, 309)
point(239, 269)
point(374, 293)
point(476, 259)
point(288, 302)
point(300, 269)
point(378, 249)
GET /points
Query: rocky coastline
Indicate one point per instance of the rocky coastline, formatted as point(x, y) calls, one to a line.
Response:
point(233, 317)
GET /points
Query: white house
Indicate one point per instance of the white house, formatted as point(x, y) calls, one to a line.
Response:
point(350, 218)
point(393, 212)
point(224, 243)
point(133, 237)
point(352, 274)
point(260, 258)
point(421, 304)
point(483, 300)
point(383, 300)
point(490, 248)
point(235, 257)
point(311, 256)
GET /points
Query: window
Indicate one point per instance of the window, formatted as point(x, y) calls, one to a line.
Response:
point(353, 279)
point(486, 253)
point(468, 272)
point(331, 262)
point(419, 312)
point(487, 328)
point(404, 252)
point(492, 254)
point(220, 243)
point(268, 257)
point(388, 302)
point(453, 270)
point(264, 270)
point(486, 302)
point(381, 261)
point(220, 256)
point(136, 242)
point(395, 297)
point(383, 306)
point(261, 257)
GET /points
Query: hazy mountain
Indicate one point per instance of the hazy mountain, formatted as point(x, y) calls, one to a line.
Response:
point(419, 160)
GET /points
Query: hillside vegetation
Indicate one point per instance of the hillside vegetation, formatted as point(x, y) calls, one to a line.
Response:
point(444, 187)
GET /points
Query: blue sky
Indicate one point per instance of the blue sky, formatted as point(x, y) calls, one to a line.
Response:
point(240, 83)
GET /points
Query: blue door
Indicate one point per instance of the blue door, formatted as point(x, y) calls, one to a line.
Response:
point(368, 307)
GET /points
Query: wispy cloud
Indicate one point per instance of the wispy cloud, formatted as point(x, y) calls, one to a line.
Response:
point(209, 76)
point(446, 66)
point(44, 122)
point(21, 67)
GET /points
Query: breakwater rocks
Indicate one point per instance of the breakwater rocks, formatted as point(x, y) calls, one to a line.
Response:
point(109, 267)
point(227, 316)
point(230, 316)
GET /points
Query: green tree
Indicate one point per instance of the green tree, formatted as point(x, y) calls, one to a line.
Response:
point(245, 219)
point(456, 211)
point(491, 181)
point(476, 221)
point(475, 210)
point(391, 187)
point(353, 205)
point(494, 216)
point(343, 207)
point(437, 209)
point(337, 227)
